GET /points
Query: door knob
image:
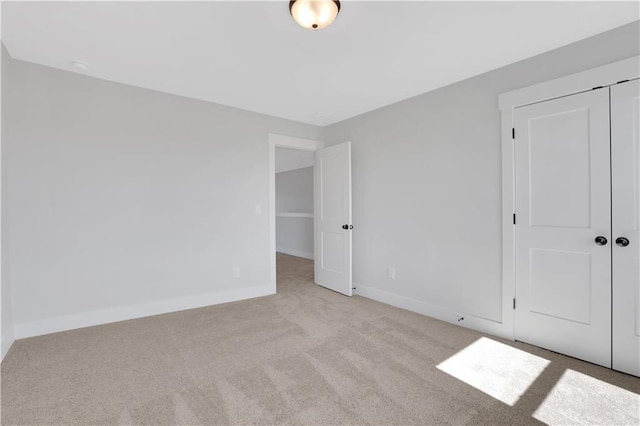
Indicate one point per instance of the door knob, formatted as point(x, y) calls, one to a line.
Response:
point(601, 241)
point(347, 226)
point(622, 241)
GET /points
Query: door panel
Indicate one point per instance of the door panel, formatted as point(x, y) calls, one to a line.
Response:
point(625, 160)
point(563, 200)
point(333, 176)
point(559, 198)
point(557, 276)
point(332, 259)
point(332, 206)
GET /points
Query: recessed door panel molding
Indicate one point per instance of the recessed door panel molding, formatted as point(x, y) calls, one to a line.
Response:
point(332, 205)
point(332, 252)
point(557, 276)
point(332, 218)
point(563, 202)
point(625, 183)
point(559, 170)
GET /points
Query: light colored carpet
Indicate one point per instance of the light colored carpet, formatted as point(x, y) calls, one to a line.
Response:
point(304, 356)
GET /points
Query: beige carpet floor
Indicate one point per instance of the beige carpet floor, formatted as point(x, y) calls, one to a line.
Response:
point(304, 356)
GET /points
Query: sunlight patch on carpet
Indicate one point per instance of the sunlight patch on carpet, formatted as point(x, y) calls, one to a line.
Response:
point(581, 399)
point(499, 370)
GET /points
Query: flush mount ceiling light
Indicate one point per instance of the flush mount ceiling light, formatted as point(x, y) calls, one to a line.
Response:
point(314, 14)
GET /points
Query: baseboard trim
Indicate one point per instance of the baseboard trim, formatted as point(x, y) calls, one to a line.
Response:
point(294, 252)
point(123, 313)
point(475, 323)
point(6, 341)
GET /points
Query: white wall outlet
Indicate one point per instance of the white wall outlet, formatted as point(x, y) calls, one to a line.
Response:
point(236, 272)
point(258, 209)
point(391, 273)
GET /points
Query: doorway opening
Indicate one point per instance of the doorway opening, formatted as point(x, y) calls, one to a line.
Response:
point(291, 206)
point(294, 216)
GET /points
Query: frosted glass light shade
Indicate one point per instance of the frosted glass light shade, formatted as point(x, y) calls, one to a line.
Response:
point(314, 14)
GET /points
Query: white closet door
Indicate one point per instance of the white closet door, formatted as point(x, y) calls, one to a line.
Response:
point(625, 160)
point(563, 203)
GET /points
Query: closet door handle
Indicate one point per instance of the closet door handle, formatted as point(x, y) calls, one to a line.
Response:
point(622, 241)
point(601, 241)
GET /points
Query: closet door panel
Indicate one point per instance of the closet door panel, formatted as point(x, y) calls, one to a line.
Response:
point(563, 202)
point(625, 161)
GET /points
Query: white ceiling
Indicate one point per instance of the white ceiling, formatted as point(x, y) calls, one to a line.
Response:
point(252, 55)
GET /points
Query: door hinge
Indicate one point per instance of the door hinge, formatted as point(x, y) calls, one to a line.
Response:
point(514, 303)
point(622, 81)
point(513, 133)
point(514, 218)
point(599, 87)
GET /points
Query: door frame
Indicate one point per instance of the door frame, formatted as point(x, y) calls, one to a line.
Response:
point(280, 141)
point(606, 75)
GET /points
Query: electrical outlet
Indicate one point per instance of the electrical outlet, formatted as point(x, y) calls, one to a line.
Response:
point(258, 209)
point(391, 273)
point(236, 272)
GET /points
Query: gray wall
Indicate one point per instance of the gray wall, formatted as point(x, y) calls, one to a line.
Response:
point(427, 181)
point(115, 196)
point(119, 196)
point(294, 193)
point(294, 190)
point(6, 317)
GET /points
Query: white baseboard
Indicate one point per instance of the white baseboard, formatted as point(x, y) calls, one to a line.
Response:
point(6, 341)
point(479, 324)
point(294, 252)
point(105, 316)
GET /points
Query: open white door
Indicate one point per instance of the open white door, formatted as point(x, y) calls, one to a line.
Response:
point(332, 213)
